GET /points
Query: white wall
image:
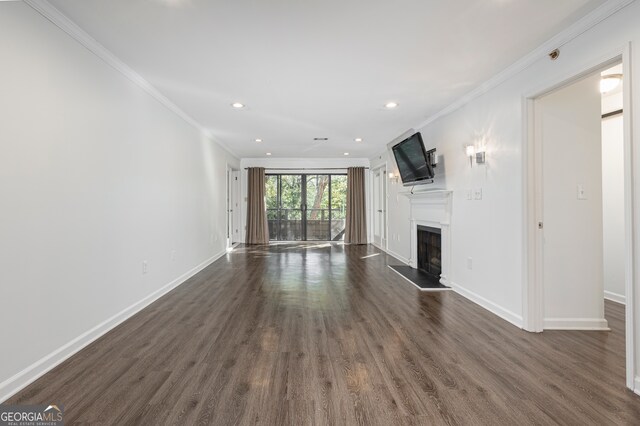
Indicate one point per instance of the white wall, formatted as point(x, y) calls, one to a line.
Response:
point(491, 230)
point(299, 165)
point(567, 127)
point(95, 177)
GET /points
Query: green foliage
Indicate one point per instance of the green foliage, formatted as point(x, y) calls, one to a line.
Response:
point(339, 196)
point(271, 192)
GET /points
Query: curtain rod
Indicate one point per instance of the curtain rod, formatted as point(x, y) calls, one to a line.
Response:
point(305, 168)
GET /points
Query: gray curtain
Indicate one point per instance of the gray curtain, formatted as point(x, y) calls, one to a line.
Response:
point(257, 227)
point(356, 227)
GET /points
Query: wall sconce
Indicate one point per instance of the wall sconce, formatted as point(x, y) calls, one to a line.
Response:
point(471, 151)
point(479, 156)
point(393, 177)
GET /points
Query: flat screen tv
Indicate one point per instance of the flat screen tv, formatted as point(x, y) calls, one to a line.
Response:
point(413, 161)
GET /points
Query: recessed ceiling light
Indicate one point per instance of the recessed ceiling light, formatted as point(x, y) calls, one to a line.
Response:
point(258, 140)
point(391, 105)
point(358, 139)
point(346, 153)
point(237, 105)
point(268, 153)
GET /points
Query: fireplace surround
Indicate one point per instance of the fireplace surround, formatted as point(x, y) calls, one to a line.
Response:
point(431, 209)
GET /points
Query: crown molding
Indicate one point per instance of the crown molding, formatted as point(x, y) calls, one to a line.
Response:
point(581, 26)
point(60, 20)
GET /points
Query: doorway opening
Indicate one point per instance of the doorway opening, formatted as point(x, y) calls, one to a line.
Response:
point(579, 207)
point(306, 207)
point(613, 184)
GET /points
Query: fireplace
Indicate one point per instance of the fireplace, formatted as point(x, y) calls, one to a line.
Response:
point(429, 255)
point(431, 211)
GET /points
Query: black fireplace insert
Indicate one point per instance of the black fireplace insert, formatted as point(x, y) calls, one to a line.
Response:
point(430, 250)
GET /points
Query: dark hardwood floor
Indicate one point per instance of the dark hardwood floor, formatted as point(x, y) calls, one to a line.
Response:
point(328, 334)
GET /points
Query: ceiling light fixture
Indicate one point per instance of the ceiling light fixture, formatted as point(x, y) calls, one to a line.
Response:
point(237, 105)
point(609, 82)
point(258, 140)
point(358, 139)
point(268, 153)
point(391, 105)
point(346, 153)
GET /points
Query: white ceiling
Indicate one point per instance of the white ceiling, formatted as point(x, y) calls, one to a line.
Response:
point(321, 68)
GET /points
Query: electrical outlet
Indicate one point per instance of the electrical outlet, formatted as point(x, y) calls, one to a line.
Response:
point(469, 263)
point(477, 194)
point(145, 267)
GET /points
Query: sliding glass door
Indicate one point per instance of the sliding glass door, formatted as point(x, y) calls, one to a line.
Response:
point(306, 207)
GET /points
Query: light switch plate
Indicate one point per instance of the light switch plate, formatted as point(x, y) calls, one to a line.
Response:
point(581, 193)
point(477, 194)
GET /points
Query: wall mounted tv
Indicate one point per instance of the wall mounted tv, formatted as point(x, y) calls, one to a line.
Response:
point(414, 162)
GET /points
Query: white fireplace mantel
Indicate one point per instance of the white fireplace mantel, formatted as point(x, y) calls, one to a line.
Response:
point(431, 208)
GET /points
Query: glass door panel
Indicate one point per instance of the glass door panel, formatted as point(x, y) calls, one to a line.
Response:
point(317, 214)
point(338, 206)
point(290, 208)
point(272, 202)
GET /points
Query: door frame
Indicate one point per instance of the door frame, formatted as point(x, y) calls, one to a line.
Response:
point(532, 295)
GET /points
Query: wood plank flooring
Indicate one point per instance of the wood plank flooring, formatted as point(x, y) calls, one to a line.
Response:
point(328, 334)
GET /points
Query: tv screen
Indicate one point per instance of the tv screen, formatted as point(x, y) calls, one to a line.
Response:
point(412, 160)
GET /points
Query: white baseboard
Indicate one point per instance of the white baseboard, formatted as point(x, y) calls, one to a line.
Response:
point(19, 381)
point(596, 324)
point(636, 385)
point(503, 313)
point(615, 297)
point(397, 256)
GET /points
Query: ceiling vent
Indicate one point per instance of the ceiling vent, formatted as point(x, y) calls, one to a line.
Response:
point(320, 139)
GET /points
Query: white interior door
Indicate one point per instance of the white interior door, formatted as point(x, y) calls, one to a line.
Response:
point(379, 208)
point(235, 206)
point(229, 207)
point(376, 207)
point(569, 160)
point(383, 207)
